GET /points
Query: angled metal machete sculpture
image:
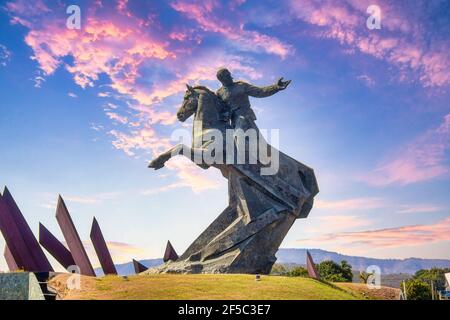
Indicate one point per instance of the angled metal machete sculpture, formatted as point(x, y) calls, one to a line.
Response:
point(170, 254)
point(55, 247)
point(22, 244)
point(311, 267)
point(102, 249)
point(138, 267)
point(10, 262)
point(73, 239)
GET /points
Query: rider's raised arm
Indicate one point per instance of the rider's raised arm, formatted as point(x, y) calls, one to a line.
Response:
point(260, 92)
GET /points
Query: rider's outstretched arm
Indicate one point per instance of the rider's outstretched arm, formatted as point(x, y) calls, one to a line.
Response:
point(260, 92)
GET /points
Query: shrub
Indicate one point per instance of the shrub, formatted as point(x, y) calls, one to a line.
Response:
point(298, 272)
point(331, 271)
point(436, 275)
point(417, 289)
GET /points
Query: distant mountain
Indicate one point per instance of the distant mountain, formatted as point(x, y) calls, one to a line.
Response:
point(126, 269)
point(298, 256)
point(387, 266)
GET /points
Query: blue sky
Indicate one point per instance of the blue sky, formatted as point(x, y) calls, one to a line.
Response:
point(82, 112)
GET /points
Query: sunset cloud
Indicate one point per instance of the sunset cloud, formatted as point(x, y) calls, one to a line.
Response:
point(350, 204)
point(398, 43)
point(94, 199)
point(116, 117)
point(210, 17)
point(121, 252)
point(335, 223)
point(423, 159)
point(421, 208)
point(189, 175)
point(144, 138)
point(410, 235)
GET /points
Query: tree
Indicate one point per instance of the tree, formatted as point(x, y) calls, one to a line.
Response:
point(364, 276)
point(298, 272)
point(331, 271)
point(347, 271)
point(417, 289)
point(435, 275)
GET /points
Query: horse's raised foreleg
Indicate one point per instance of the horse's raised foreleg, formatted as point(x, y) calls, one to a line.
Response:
point(160, 160)
point(194, 154)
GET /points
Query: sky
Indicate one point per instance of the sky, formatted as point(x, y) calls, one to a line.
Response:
point(83, 111)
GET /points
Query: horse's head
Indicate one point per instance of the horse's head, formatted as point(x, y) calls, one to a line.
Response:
point(190, 104)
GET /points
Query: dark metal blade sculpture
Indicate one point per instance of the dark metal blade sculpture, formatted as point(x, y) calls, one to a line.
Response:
point(139, 267)
point(12, 265)
point(73, 239)
point(311, 267)
point(101, 249)
point(170, 253)
point(19, 238)
point(55, 247)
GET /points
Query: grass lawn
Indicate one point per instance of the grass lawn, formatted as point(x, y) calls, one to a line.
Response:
point(203, 286)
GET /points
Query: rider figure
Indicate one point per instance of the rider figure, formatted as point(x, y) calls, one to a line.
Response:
point(235, 96)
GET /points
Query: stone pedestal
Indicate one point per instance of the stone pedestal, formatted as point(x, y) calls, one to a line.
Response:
point(20, 286)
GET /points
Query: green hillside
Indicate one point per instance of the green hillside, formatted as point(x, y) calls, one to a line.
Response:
point(193, 287)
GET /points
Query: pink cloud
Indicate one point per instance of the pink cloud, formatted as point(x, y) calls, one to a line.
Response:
point(412, 235)
point(121, 252)
point(334, 223)
point(350, 204)
point(421, 208)
point(345, 22)
point(188, 174)
point(116, 117)
point(24, 7)
point(144, 138)
point(93, 199)
point(100, 47)
point(423, 159)
point(206, 14)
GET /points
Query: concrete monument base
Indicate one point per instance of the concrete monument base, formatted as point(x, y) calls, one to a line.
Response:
point(20, 286)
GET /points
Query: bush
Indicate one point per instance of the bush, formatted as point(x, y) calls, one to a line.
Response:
point(333, 272)
point(417, 289)
point(298, 272)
